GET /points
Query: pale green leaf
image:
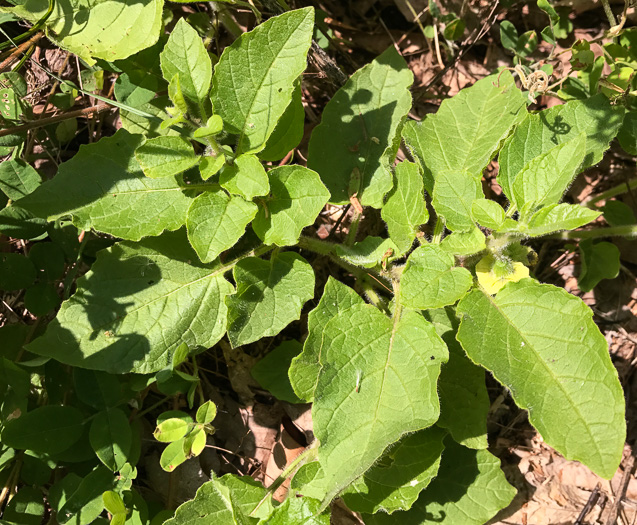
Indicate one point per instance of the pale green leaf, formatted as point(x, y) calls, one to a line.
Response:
point(542, 131)
point(246, 177)
point(270, 295)
point(399, 476)
point(210, 166)
point(289, 130)
point(599, 261)
point(369, 252)
point(136, 306)
point(227, 500)
point(545, 178)
point(470, 489)
point(377, 383)
point(254, 79)
point(111, 437)
point(464, 243)
point(453, 196)
point(186, 56)
point(360, 129)
point(431, 279)
point(304, 370)
point(171, 429)
point(206, 413)
point(110, 29)
point(149, 127)
point(173, 455)
point(468, 129)
point(103, 187)
point(271, 372)
point(165, 156)
point(297, 195)
point(542, 344)
point(18, 179)
point(464, 400)
point(298, 511)
point(216, 221)
point(404, 210)
point(488, 213)
point(558, 217)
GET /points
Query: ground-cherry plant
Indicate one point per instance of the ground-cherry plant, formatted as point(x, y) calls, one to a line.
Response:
point(211, 243)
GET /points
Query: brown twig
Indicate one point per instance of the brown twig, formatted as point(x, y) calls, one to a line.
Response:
point(20, 49)
point(592, 501)
point(629, 467)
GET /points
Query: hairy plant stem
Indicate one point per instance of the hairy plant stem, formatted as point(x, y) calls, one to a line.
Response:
point(438, 229)
point(609, 13)
point(614, 231)
point(624, 187)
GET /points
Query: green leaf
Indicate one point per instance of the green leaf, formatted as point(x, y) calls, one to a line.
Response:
point(464, 400)
point(304, 370)
point(488, 213)
point(558, 217)
point(254, 79)
point(96, 389)
point(431, 279)
point(103, 187)
point(508, 35)
point(289, 130)
point(468, 129)
point(545, 6)
point(49, 429)
point(399, 476)
point(453, 196)
point(454, 29)
point(83, 496)
point(136, 306)
point(246, 177)
point(377, 383)
point(404, 210)
point(545, 178)
point(297, 195)
point(369, 252)
point(216, 221)
point(18, 223)
point(110, 29)
point(464, 243)
point(573, 396)
point(206, 413)
point(26, 507)
point(185, 55)
point(360, 129)
point(270, 295)
point(48, 259)
point(111, 437)
point(165, 156)
point(540, 132)
point(173, 455)
point(113, 502)
point(271, 372)
point(41, 298)
point(617, 213)
point(229, 499)
point(209, 166)
point(599, 261)
point(18, 179)
point(470, 489)
point(298, 511)
point(627, 135)
point(16, 271)
point(171, 429)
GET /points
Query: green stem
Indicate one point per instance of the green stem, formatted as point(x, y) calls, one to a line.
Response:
point(152, 407)
point(609, 13)
point(615, 231)
point(624, 187)
point(353, 230)
point(316, 245)
point(374, 298)
point(438, 229)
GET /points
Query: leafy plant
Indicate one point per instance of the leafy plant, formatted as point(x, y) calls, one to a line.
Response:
point(211, 242)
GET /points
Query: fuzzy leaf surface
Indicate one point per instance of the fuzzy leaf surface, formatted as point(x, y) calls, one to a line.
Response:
point(103, 187)
point(558, 217)
point(467, 130)
point(165, 156)
point(269, 296)
point(289, 130)
point(136, 306)
point(254, 79)
point(246, 177)
point(369, 252)
point(541, 343)
point(454, 193)
point(360, 129)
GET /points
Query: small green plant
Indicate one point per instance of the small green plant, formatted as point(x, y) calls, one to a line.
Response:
point(211, 243)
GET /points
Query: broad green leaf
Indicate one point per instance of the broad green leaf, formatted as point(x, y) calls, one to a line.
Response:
point(18, 179)
point(26, 507)
point(468, 129)
point(271, 372)
point(254, 79)
point(113, 502)
point(173, 455)
point(431, 279)
point(464, 401)
point(542, 131)
point(16, 272)
point(110, 29)
point(360, 130)
point(229, 499)
point(399, 476)
point(97, 389)
point(627, 135)
point(111, 437)
point(206, 413)
point(149, 127)
point(85, 500)
point(544, 179)
point(488, 213)
point(298, 511)
point(269, 296)
point(599, 261)
point(572, 393)
point(136, 306)
point(304, 370)
point(103, 187)
point(377, 383)
point(618, 213)
point(165, 156)
point(508, 35)
point(404, 210)
point(185, 55)
point(470, 489)
point(18, 223)
point(556, 217)
point(171, 429)
point(297, 195)
point(246, 177)
point(209, 166)
point(369, 252)
point(49, 429)
point(464, 243)
point(216, 221)
point(453, 196)
point(289, 130)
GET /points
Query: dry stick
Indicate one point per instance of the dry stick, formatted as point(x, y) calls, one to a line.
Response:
point(623, 486)
point(20, 49)
point(592, 501)
point(57, 118)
